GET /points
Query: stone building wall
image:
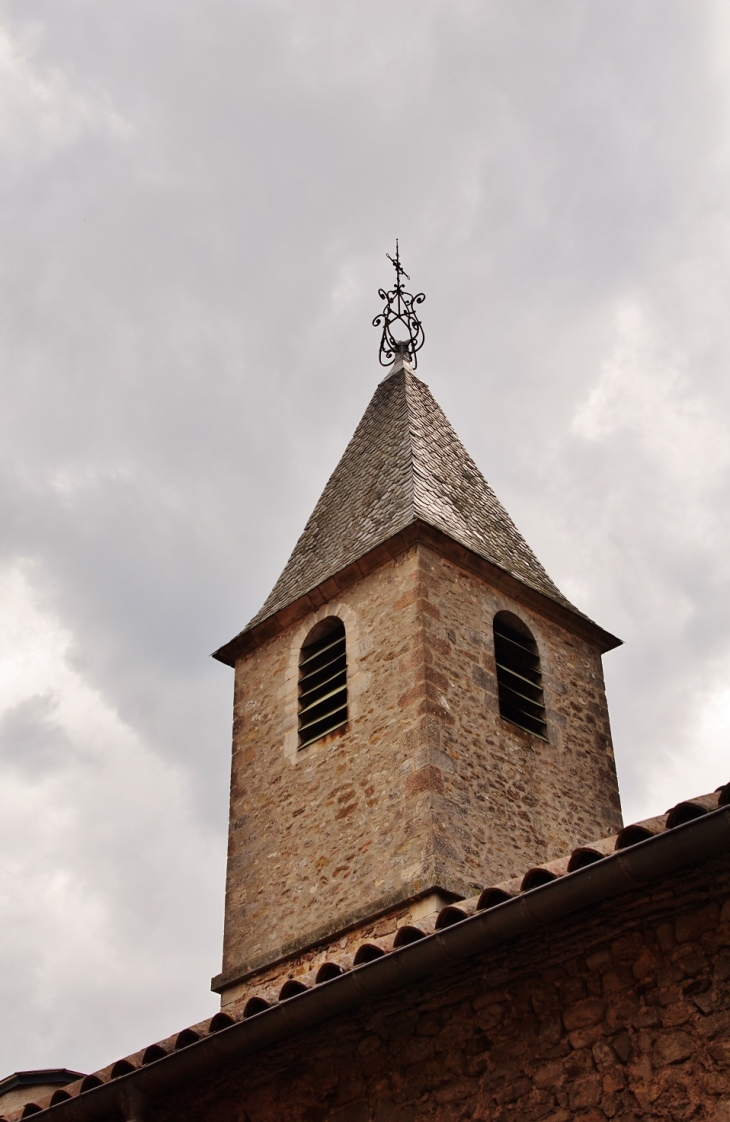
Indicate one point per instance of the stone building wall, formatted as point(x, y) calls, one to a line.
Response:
point(426, 788)
point(621, 1012)
point(320, 838)
point(303, 966)
point(503, 798)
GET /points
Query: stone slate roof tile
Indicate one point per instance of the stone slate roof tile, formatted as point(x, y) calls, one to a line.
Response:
point(404, 464)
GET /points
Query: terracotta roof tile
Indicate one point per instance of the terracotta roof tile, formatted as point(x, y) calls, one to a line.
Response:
point(460, 911)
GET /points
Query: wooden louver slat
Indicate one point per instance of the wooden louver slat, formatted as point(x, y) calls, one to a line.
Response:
point(521, 699)
point(323, 684)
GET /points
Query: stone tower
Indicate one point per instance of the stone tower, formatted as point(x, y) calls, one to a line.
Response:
point(428, 766)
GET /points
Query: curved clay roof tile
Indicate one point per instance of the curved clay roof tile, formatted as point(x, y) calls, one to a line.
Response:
point(327, 971)
point(292, 988)
point(582, 857)
point(185, 1038)
point(220, 1021)
point(122, 1067)
point(154, 1052)
point(90, 1082)
point(406, 934)
point(59, 1096)
point(493, 896)
point(255, 1005)
point(368, 952)
point(684, 812)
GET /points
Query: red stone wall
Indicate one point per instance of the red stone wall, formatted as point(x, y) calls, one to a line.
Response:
point(620, 1013)
point(427, 788)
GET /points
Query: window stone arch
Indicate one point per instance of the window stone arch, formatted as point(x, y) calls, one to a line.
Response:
point(322, 688)
point(519, 675)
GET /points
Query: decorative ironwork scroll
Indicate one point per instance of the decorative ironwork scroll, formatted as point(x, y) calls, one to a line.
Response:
point(399, 309)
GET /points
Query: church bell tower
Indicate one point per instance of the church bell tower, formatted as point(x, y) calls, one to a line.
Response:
point(419, 712)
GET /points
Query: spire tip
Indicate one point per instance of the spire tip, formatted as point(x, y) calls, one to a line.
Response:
point(400, 308)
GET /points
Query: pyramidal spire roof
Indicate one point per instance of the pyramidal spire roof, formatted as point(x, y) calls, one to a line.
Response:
point(404, 465)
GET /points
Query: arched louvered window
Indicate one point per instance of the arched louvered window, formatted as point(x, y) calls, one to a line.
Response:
point(322, 681)
point(518, 675)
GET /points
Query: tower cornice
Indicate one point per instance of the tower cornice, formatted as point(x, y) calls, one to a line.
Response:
point(417, 533)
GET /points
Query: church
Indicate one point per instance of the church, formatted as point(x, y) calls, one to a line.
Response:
point(433, 907)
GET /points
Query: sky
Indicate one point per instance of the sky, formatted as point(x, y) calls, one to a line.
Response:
point(196, 200)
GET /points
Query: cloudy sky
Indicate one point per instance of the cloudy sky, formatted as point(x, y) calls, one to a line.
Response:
point(197, 198)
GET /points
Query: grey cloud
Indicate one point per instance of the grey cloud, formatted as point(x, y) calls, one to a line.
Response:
point(29, 738)
point(193, 237)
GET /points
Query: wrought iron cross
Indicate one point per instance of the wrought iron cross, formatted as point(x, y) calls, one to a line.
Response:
point(399, 309)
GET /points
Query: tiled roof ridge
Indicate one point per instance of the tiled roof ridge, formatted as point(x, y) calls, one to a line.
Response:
point(512, 545)
point(404, 463)
point(409, 429)
point(490, 897)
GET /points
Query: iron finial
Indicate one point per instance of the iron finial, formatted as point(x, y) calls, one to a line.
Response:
point(399, 309)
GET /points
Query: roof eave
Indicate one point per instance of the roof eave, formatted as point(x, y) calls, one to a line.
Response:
point(621, 871)
point(424, 533)
point(40, 1077)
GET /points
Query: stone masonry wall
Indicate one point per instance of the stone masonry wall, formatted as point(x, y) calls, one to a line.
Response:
point(622, 1012)
point(503, 798)
point(427, 788)
point(303, 966)
point(322, 837)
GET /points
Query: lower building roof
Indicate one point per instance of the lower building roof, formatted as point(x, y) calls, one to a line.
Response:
point(693, 830)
